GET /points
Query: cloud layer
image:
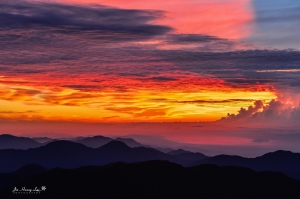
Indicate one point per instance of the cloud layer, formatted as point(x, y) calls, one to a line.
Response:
point(123, 63)
point(73, 19)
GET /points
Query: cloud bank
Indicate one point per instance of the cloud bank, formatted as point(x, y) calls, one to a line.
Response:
point(273, 112)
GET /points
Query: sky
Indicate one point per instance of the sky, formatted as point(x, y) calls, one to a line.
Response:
point(90, 67)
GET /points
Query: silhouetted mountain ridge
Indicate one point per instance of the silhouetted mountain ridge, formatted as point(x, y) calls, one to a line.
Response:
point(23, 173)
point(161, 179)
point(67, 154)
point(281, 161)
point(94, 142)
point(64, 144)
point(42, 139)
point(71, 154)
point(129, 142)
point(98, 141)
point(178, 152)
point(115, 145)
point(12, 142)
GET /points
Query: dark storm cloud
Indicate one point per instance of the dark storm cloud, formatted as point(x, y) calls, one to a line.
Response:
point(72, 19)
point(234, 59)
point(239, 67)
point(73, 39)
point(41, 33)
point(288, 135)
point(65, 40)
point(260, 140)
point(192, 38)
point(161, 79)
point(295, 83)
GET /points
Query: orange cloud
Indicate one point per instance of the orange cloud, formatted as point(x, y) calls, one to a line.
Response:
point(180, 98)
point(151, 113)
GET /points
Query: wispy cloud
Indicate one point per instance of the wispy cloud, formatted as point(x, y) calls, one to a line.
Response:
point(96, 21)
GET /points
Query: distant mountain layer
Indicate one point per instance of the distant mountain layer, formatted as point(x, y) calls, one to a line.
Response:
point(98, 141)
point(160, 179)
point(178, 152)
point(95, 141)
point(42, 139)
point(13, 142)
point(129, 142)
point(67, 154)
point(73, 154)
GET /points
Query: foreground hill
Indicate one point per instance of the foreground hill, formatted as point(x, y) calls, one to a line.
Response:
point(282, 161)
point(67, 154)
point(160, 179)
point(25, 172)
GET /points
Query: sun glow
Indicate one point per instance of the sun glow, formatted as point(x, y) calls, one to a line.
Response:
point(199, 99)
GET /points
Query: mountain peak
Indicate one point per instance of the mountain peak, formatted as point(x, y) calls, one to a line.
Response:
point(8, 141)
point(178, 151)
point(64, 144)
point(7, 136)
point(114, 145)
point(129, 142)
point(99, 136)
point(279, 153)
point(128, 139)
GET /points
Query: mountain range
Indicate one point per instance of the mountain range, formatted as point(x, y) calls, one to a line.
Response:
point(158, 179)
point(13, 142)
point(280, 161)
point(100, 150)
point(98, 141)
point(67, 154)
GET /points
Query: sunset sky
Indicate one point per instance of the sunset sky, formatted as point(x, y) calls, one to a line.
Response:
point(67, 66)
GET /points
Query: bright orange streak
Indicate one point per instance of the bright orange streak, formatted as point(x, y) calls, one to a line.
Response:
point(184, 99)
point(226, 18)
